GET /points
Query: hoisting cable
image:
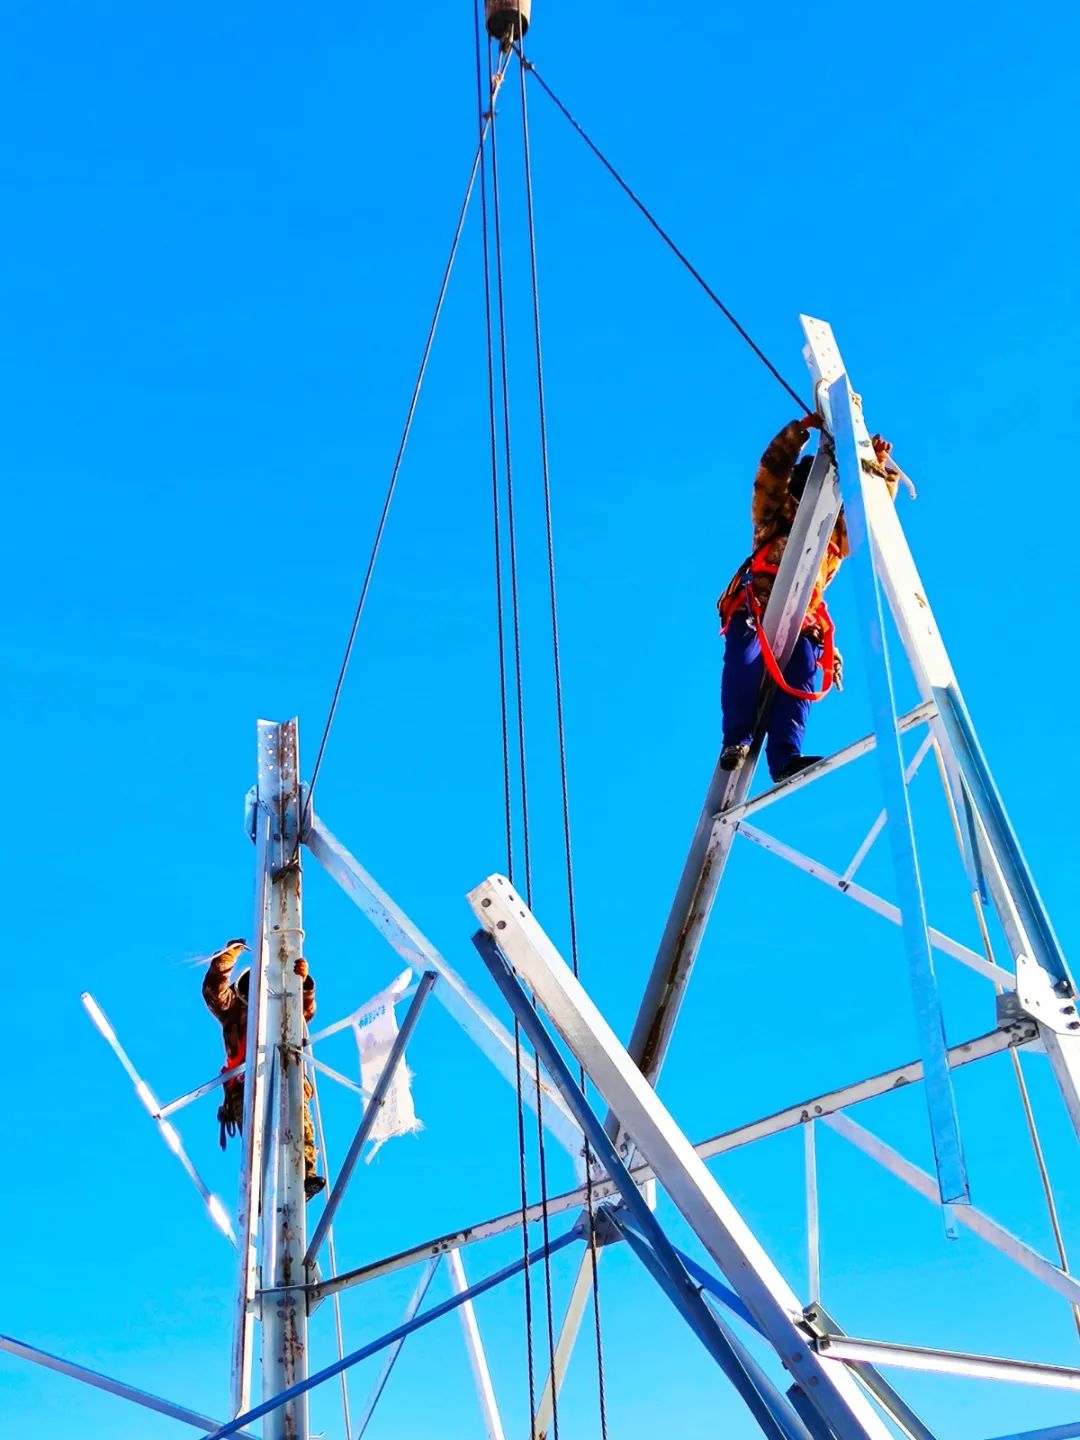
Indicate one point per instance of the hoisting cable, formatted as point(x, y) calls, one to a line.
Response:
point(486, 122)
point(396, 469)
point(564, 785)
point(668, 241)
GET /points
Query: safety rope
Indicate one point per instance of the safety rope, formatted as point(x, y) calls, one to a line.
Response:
point(667, 239)
point(394, 473)
point(486, 123)
point(564, 785)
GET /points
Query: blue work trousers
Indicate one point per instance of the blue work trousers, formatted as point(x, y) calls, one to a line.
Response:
point(740, 689)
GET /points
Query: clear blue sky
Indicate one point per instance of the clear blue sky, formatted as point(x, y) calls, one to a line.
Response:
point(224, 227)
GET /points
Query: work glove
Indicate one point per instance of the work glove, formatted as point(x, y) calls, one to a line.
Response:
point(838, 670)
point(231, 951)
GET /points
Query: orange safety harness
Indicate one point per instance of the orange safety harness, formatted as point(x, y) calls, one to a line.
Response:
point(740, 594)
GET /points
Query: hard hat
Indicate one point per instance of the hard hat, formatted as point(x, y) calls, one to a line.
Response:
point(242, 982)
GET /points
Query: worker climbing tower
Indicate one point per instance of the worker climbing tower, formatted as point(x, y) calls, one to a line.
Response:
point(799, 1372)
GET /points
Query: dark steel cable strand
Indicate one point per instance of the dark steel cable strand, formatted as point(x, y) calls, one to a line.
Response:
point(496, 216)
point(391, 488)
point(561, 724)
point(524, 1188)
point(668, 241)
point(493, 429)
point(500, 292)
point(545, 1217)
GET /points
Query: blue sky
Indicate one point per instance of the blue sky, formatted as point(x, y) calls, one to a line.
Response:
point(224, 231)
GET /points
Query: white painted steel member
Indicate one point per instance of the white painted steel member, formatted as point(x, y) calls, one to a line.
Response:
point(678, 1167)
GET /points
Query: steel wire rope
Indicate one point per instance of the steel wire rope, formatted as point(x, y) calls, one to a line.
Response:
point(667, 239)
point(487, 126)
point(394, 473)
point(563, 779)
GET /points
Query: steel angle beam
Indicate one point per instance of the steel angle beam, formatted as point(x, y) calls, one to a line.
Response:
point(253, 1135)
point(646, 1236)
point(707, 857)
point(677, 1166)
point(374, 1347)
point(113, 1387)
point(732, 814)
point(1022, 1033)
point(989, 1230)
point(910, 1424)
point(284, 1322)
point(370, 1115)
point(1054, 1432)
point(485, 1391)
point(853, 453)
point(989, 845)
point(950, 1362)
point(774, 1417)
point(426, 1277)
point(705, 862)
point(453, 994)
point(885, 908)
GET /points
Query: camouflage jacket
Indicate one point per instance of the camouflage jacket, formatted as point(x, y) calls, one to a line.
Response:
point(773, 511)
point(227, 1005)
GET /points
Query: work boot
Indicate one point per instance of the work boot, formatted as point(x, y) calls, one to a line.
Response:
point(732, 756)
point(313, 1184)
point(793, 767)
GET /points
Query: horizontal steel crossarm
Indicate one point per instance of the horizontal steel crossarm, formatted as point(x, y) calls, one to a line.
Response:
point(336, 1075)
point(872, 1380)
point(479, 1287)
point(114, 1387)
point(885, 908)
point(978, 1048)
point(683, 1174)
point(967, 1215)
point(910, 720)
point(237, 1073)
point(950, 1362)
point(453, 994)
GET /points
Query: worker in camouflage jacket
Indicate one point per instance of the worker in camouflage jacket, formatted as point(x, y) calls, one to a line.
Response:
point(227, 1001)
point(778, 487)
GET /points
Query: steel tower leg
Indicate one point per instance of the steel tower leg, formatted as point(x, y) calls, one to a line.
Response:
point(284, 1310)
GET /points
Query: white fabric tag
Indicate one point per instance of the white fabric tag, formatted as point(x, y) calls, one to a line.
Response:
point(376, 1029)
